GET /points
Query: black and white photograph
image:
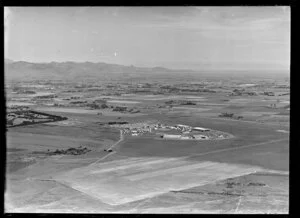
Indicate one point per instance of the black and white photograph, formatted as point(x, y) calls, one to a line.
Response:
point(147, 109)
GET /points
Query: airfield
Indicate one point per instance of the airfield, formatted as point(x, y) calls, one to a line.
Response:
point(246, 173)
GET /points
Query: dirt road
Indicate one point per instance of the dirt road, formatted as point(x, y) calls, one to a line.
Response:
point(113, 145)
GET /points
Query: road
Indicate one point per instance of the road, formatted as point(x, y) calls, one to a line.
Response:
point(110, 153)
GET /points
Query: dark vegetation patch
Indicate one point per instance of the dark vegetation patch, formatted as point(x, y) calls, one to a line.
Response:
point(125, 109)
point(230, 115)
point(179, 102)
point(70, 151)
point(231, 184)
point(268, 93)
point(256, 184)
point(32, 117)
point(112, 123)
point(237, 92)
point(284, 94)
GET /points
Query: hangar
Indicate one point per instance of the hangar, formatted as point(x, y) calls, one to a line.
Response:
point(200, 129)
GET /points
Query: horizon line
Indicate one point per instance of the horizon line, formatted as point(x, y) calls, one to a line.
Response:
point(157, 66)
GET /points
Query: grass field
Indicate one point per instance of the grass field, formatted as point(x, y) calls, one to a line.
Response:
point(145, 172)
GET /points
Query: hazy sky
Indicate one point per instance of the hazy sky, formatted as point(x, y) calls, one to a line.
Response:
point(175, 37)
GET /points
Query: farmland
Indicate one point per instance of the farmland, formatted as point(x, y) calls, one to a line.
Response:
point(107, 154)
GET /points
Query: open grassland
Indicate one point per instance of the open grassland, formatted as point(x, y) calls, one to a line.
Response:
point(91, 131)
point(254, 193)
point(271, 155)
point(104, 112)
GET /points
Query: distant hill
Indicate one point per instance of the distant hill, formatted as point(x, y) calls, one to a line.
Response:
point(8, 61)
point(73, 70)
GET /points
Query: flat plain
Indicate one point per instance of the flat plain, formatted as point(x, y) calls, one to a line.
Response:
point(125, 170)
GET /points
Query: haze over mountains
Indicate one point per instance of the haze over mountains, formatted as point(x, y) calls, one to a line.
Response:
point(73, 70)
point(89, 70)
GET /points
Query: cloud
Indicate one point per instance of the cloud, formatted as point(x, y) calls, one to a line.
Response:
point(273, 30)
point(7, 21)
point(207, 18)
point(155, 14)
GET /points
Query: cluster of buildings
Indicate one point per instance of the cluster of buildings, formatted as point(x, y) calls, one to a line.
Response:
point(184, 137)
point(185, 130)
point(136, 131)
point(138, 128)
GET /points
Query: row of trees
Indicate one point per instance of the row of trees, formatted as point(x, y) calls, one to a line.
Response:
point(230, 115)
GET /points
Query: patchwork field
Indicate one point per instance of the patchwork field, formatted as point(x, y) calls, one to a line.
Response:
point(139, 172)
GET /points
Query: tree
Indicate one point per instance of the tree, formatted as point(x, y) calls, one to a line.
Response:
point(103, 106)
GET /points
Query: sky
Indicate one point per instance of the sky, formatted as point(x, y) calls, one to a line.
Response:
point(173, 37)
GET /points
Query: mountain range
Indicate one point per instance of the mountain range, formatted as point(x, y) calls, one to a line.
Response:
point(74, 70)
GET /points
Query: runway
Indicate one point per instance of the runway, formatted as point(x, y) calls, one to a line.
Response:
point(119, 182)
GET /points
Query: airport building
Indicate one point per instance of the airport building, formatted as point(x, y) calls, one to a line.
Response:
point(167, 136)
point(200, 129)
point(182, 126)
